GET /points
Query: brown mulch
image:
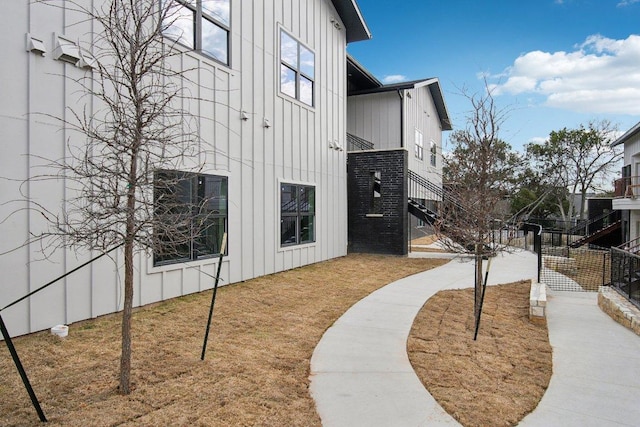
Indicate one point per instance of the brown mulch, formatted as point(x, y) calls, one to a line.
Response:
point(494, 381)
point(256, 371)
point(257, 367)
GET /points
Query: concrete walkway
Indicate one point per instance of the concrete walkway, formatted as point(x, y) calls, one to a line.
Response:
point(361, 374)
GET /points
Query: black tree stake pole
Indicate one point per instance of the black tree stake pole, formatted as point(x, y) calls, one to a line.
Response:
point(213, 297)
point(484, 288)
point(23, 374)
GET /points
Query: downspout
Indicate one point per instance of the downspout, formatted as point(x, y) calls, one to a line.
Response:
point(401, 95)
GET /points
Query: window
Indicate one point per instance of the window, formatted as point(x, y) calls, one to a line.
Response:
point(297, 66)
point(375, 207)
point(419, 145)
point(191, 215)
point(433, 150)
point(202, 25)
point(297, 214)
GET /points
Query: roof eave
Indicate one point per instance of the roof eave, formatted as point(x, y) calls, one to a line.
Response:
point(355, 26)
point(627, 135)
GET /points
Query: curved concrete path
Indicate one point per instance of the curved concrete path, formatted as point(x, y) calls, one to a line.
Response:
point(360, 371)
point(361, 374)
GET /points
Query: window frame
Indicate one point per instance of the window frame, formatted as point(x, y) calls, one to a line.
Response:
point(419, 145)
point(299, 215)
point(433, 152)
point(197, 194)
point(297, 70)
point(199, 16)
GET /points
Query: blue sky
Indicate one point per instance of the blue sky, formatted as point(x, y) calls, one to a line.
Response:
point(552, 63)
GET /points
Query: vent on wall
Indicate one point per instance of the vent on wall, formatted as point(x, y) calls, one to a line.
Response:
point(65, 49)
point(35, 45)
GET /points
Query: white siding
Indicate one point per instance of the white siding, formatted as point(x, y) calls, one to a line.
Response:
point(377, 118)
point(255, 158)
point(421, 114)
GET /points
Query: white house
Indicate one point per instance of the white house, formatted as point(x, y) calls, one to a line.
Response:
point(276, 72)
point(279, 104)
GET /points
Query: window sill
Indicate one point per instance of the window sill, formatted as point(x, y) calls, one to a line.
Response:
point(374, 215)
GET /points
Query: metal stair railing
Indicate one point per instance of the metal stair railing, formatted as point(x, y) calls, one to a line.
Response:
point(355, 143)
point(427, 185)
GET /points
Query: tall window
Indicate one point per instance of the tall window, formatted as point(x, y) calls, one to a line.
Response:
point(433, 150)
point(297, 69)
point(202, 25)
point(297, 214)
point(419, 145)
point(191, 215)
point(375, 207)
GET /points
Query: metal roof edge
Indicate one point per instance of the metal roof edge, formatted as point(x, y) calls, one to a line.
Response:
point(355, 26)
point(628, 134)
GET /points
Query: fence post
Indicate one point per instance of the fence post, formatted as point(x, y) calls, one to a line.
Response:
point(604, 266)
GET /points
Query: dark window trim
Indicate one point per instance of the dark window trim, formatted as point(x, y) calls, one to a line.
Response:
point(197, 34)
point(197, 187)
point(299, 214)
point(297, 71)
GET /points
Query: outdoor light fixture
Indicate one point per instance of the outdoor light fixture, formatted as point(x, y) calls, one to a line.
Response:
point(244, 116)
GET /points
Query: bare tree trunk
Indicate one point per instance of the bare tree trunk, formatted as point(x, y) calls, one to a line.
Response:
point(478, 284)
point(125, 358)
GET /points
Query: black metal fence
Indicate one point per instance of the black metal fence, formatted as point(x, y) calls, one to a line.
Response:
point(562, 267)
point(575, 269)
point(625, 274)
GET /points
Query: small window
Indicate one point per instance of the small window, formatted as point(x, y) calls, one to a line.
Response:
point(297, 69)
point(202, 25)
point(190, 215)
point(433, 150)
point(419, 148)
point(297, 214)
point(375, 206)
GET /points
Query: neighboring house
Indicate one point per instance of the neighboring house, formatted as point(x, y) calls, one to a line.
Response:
point(627, 189)
point(272, 82)
point(395, 158)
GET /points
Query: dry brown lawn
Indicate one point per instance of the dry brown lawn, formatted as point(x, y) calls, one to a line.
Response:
point(494, 381)
point(262, 338)
point(257, 365)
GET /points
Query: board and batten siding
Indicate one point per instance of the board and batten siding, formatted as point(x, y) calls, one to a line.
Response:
point(256, 159)
point(420, 113)
point(376, 118)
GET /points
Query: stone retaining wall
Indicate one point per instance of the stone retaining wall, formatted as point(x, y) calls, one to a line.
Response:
point(619, 309)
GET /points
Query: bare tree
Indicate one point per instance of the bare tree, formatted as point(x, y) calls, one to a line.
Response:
point(576, 160)
point(478, 176)
point(132, 135)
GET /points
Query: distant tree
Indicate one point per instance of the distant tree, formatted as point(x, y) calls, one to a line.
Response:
point(479, 174)
point(535, 198)
point(128, 140)
point(576, 160)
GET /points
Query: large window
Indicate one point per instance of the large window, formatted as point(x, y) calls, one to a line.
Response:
point(202, 25)
point(297, 214)
point(297, 69)
point(190, 215)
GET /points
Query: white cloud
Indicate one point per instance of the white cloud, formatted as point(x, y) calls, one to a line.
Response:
point(624, 3)
point(394, 78)
point(600, 76)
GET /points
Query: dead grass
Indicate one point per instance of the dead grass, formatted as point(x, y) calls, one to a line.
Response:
point(425, 240)
point(494, 381)
point(257, 366)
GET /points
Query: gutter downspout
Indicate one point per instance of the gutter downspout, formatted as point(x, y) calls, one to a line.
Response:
point(401, 95)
